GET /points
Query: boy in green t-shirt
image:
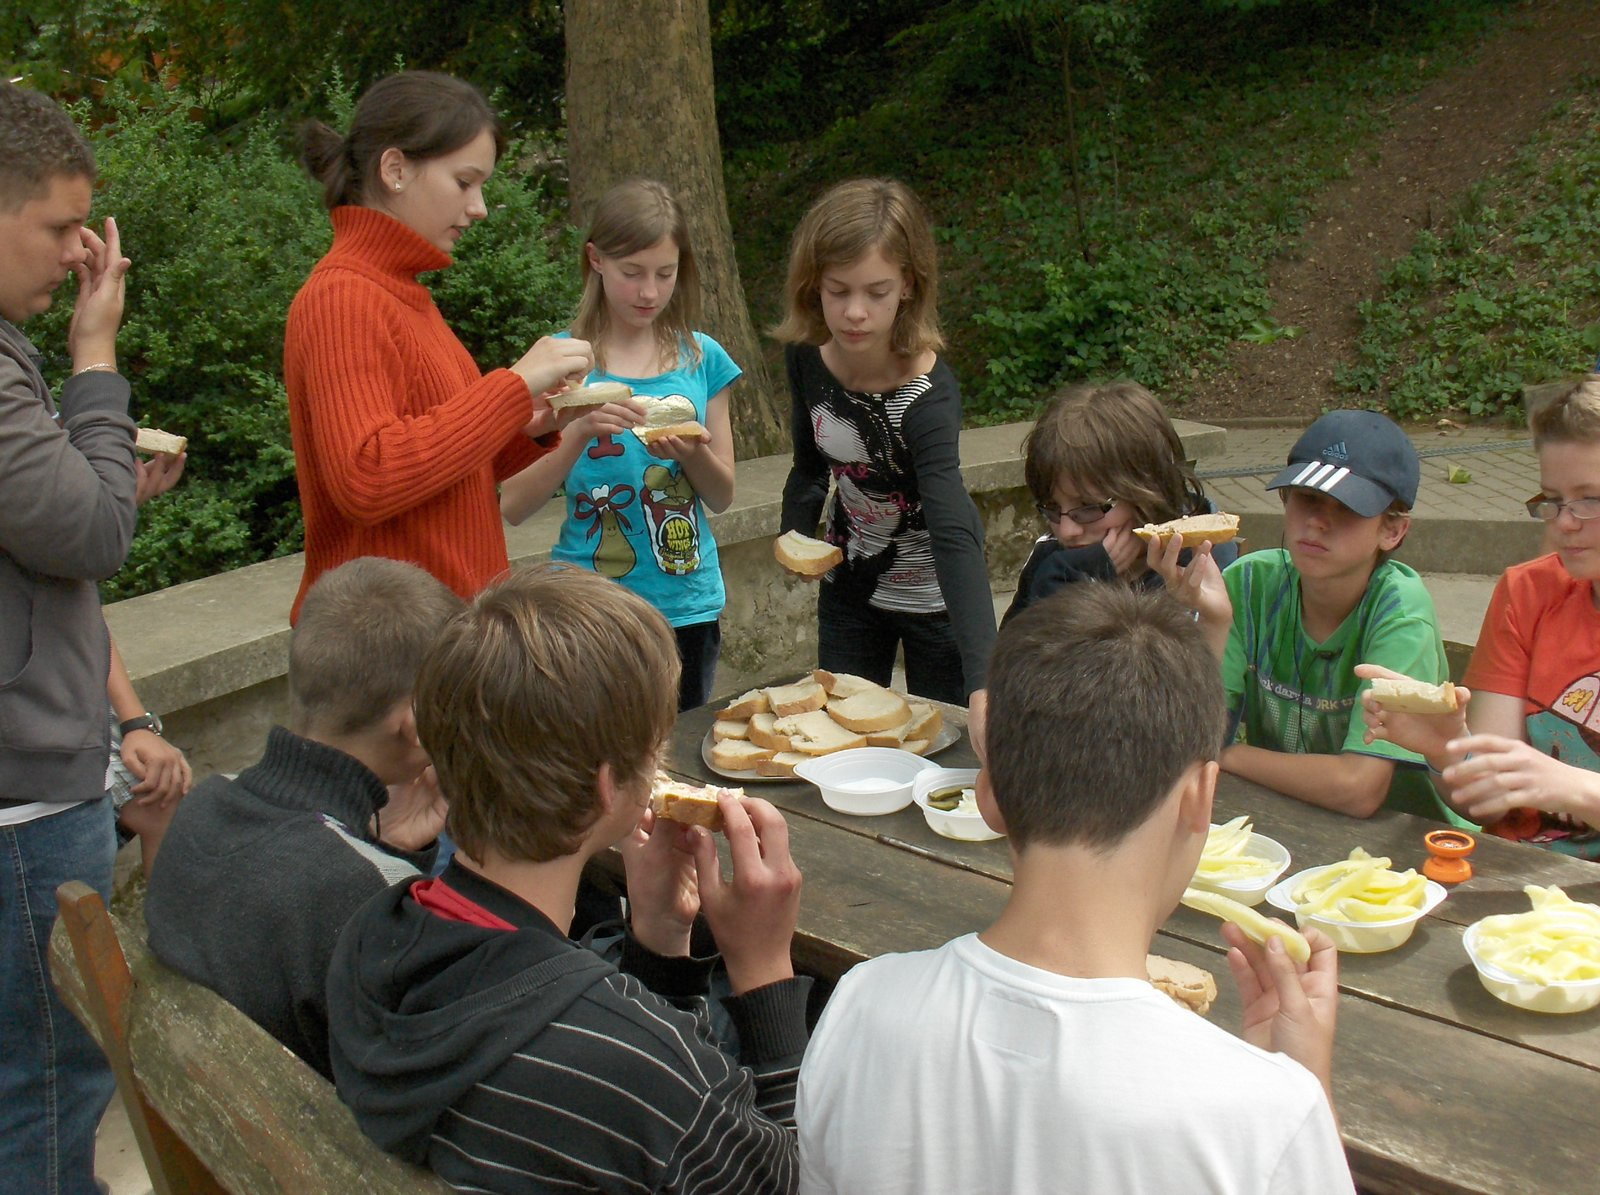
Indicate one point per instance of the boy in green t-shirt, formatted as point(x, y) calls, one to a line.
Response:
point(1291, 624)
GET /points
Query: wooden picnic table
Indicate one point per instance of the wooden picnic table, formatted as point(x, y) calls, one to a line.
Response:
point(1440, 1087)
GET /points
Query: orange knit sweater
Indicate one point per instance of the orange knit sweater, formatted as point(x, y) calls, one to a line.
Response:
point(399, 440)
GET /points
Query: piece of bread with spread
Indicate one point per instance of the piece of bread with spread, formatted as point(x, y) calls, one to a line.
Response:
point(1406, 696)
point(1193, 987)
point(154, 440)
point(595, 394)
point(1195, 529)
point(689, 804)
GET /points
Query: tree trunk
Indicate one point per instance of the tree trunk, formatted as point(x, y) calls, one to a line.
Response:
point(640, 102)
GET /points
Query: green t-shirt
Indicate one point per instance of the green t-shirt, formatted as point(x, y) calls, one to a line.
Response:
point(1287, 692)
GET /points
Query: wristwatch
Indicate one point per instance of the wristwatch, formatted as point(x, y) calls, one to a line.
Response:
point(150, 722)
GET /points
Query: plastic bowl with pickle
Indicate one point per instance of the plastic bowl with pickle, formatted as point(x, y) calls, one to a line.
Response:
point(952, 787)
point(1355, 937)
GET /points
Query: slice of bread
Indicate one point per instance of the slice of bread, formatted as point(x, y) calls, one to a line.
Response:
point(1195, 529)
point(689, 803)
point(815, 733)
point(803, 555)
point(916, 746)
point(781, 764)
point(690, 429)
point(738, 755)
point(763, 734)
point(150, 439)
point(1193, 987)
point(752, 703)
point(876, 709)
point(1409, 696)
point(729, 729)
point(892, 737)
point(926, 721)
point(798, 698)
point(842, 684)
point(595, 394)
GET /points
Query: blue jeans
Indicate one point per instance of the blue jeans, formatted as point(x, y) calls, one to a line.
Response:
point(54, 1081)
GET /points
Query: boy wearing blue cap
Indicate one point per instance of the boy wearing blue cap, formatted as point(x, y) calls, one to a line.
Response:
point(1291, 624)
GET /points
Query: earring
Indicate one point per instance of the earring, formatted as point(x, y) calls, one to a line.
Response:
point(397, 186)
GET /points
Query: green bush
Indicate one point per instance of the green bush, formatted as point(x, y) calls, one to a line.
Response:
point(222, 231)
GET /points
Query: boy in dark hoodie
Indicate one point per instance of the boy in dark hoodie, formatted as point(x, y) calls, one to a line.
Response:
point(468, 1031)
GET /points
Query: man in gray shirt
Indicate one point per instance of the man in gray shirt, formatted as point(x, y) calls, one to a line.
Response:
point(66, 521)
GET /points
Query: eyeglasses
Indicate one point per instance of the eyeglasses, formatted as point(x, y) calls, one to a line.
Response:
point(1081, 515)
point(1548, 509)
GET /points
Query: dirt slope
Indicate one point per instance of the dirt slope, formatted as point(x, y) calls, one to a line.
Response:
point(1460, 127)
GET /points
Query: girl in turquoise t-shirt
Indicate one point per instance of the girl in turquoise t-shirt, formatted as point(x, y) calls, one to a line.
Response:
point(635, 511)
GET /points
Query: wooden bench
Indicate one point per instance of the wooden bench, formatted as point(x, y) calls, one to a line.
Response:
point(216, 1103)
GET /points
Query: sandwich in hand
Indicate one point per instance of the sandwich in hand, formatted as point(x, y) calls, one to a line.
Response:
point(1191, 986)
point(674, 416)
point(595, 394)
point(1194, 529)
point(152, 439)
point(689, 804)
point(1406, 696)
point(803, 555)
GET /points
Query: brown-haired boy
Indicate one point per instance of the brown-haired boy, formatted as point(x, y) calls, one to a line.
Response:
point(468, 1031)
point(1036, 1055)
point(1290, 624)
point(297, 842)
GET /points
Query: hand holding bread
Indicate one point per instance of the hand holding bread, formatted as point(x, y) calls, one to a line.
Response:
point(804, 556)
point(753, 912)
point(1413, 714)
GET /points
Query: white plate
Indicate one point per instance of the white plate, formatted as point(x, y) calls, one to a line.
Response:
point(948, 736)
point(1357, 937)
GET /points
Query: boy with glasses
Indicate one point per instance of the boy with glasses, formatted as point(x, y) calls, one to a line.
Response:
point(1523, 757)
point(1290, 624)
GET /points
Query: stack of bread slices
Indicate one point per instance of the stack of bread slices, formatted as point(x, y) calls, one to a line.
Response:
point(769, 731)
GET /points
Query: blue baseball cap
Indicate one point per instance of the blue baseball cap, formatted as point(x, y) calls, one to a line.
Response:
point(1361, 458)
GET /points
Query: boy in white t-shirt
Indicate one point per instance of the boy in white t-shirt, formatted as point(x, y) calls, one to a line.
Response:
point(1035, 1056)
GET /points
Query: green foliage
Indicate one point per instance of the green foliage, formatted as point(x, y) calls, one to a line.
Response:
point(1505, 293)
point(222, 232)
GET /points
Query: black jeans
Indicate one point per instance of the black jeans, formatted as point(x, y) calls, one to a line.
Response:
point(699, 646)
point(861, 639)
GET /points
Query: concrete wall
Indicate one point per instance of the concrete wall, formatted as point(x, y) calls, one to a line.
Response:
point(211, 656)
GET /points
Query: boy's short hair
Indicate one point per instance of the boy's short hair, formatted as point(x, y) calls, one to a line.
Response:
point(38, 142)
point(1359, 458)
point(1572, 418)
point(548, 674)
point(364, 630)
point(1099, 698)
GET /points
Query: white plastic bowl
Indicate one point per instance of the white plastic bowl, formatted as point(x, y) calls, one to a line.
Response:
point(1357, 937)
point(1576, 995)
point(1252, 891)
point(967, 827)
point(866, 782)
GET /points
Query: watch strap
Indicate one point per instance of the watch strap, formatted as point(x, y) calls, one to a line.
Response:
point(148, 722)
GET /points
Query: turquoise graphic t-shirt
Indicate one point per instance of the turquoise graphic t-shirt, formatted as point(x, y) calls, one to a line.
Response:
point(635, 517)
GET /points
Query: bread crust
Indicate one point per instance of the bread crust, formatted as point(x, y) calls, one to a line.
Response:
point(1407, 696)
point(1195, 529)
point(152, 439)
point(689, 805)
point(595, 394)
point(690, 430)
point(805, 556)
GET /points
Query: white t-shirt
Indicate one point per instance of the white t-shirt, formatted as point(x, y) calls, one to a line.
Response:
point(961, 1070)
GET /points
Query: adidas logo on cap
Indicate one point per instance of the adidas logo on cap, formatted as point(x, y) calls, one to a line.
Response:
point(1336, 452)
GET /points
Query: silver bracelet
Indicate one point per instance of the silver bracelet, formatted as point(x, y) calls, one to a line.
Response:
point(101, 366)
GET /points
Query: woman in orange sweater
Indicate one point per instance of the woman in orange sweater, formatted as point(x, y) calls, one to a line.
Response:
point(399, 438)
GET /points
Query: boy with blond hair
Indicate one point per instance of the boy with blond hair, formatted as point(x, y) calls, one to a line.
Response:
point(468, 1031)
point(1036, 1055)
point(1290, 624)
point(1522, 755)
point(337, 809)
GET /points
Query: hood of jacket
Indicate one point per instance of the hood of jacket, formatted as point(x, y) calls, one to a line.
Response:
point(421, 1008)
